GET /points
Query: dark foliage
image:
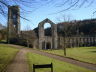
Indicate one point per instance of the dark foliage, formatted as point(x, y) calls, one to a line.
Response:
point(48, 32)
point(3, 34)
point(85, 27)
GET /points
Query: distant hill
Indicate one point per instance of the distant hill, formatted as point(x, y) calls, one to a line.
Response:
point(2, 27)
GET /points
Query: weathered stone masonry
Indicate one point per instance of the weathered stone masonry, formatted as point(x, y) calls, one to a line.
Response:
point(13, 22)
point(77, 41)
point(43, 42)
point(47, 42)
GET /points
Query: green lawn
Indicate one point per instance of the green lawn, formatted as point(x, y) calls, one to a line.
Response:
point(58, 66)
point(86, 54)
point(7, 53)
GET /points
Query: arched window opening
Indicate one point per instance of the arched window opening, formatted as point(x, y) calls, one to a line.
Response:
point(47, 29)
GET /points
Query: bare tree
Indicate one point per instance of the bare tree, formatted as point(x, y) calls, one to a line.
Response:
point(31, 5)
point(26, 6)
point(28, 35)
point(66, 26)
point(74, 4)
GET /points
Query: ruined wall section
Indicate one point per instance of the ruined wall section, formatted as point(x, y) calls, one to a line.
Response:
point(55, 37)
point(76, 41)
point(42, 37)
point(13, 22)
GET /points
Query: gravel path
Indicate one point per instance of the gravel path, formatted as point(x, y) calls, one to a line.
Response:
point(19, 64)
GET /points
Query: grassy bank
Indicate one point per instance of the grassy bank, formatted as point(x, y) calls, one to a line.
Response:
point(85, 54)
point(58, 66)
point(7, 53)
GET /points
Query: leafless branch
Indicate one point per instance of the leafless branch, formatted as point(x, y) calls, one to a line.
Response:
point(71, 6)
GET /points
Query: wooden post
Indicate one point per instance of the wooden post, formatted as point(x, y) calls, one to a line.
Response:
point(51, 67)
point(33, 68)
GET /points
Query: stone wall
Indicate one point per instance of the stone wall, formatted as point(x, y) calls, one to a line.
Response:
point(13, 22)
point(45, 41)
point(76, 41)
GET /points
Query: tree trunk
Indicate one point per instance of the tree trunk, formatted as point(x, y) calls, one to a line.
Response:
point(64, 46)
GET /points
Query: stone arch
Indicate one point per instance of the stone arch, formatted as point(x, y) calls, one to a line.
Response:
point(46, 39)
point(41, 26)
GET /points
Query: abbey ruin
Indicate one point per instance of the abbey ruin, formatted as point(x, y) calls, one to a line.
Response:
point(48, 42)
point(13, 23)
point(39, 39)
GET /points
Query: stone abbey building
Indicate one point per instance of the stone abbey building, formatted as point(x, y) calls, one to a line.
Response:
point(42, 41)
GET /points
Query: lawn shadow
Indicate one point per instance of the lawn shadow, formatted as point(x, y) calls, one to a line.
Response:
point(91, 47)
point(93, 51)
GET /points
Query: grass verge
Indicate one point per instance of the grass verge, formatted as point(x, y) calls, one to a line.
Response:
point(85, 54)
point(7, 53)
point(58, 66)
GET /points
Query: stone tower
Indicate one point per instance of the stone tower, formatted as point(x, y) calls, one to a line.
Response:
point(47, 42)
point(13, 22)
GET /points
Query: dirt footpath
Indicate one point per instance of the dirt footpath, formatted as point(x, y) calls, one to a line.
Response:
point(19, 64)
